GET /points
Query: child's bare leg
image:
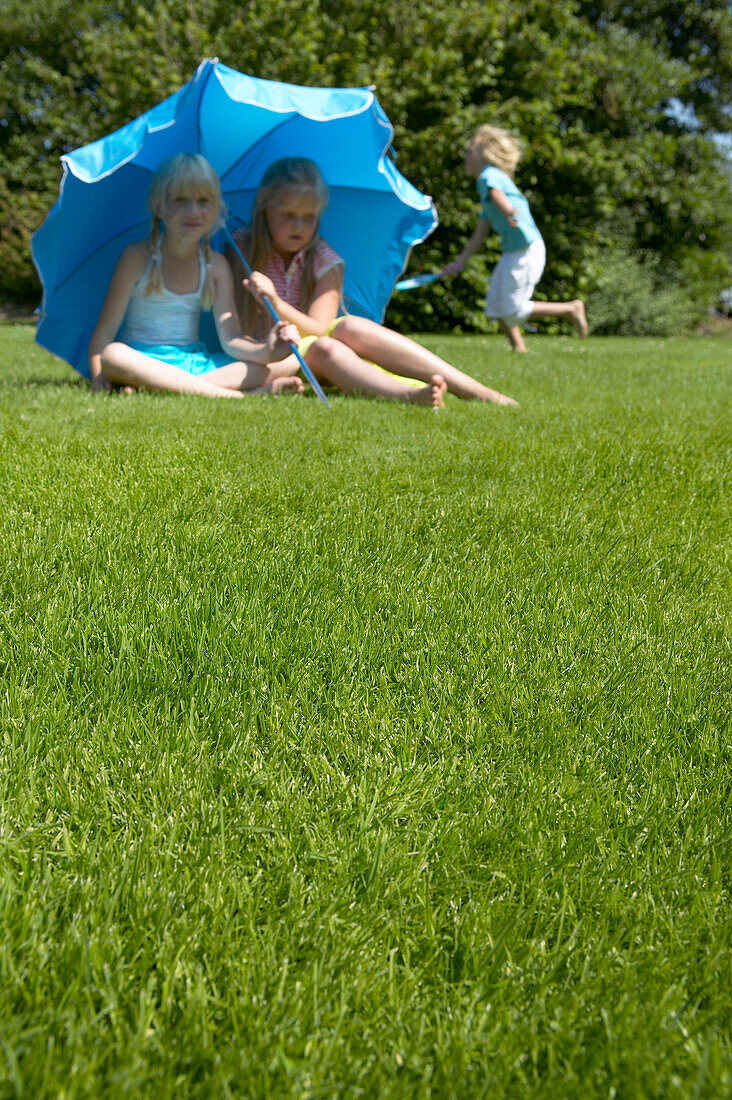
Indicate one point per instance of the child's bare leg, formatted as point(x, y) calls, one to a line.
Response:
point(256, 378)
point(336, 363)
point(573, 311)
point(513, 335)
point(125, 366)
point(401, 355)
point(129, 368)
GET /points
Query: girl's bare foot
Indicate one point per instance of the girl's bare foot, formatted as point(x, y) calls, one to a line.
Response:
point(279, 386)
point(433, 393)
point(494, 396)
point(502, 399)
point(578, 318)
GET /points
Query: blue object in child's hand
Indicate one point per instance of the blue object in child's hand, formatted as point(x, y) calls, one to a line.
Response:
point(416, 280)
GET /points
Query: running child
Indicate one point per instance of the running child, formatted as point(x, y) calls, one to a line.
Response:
point(303, 278)
point(491, 157)
point(147, 332)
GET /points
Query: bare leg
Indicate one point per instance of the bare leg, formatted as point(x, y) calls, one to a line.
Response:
point(334, 362)
point(401, 355)
point(125, 366)
point(255, 378)
point(573, 311)
point(513, 334)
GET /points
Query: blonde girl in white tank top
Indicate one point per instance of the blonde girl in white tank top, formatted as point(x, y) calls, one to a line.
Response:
point(147, 332)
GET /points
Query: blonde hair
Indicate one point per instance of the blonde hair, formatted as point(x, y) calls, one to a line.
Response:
point(190, 174)
point(290, 174)
point(501, 148)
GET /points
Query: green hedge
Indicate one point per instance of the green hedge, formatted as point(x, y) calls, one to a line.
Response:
point(611, 176)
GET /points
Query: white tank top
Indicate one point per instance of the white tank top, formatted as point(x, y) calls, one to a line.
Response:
point(165, 318)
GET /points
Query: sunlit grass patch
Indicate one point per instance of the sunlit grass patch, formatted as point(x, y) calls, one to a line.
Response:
point(371, 751)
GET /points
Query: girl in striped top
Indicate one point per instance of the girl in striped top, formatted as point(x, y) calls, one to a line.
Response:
point(303, 278)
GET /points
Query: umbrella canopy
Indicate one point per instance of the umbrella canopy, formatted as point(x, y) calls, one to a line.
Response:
point(240, 124)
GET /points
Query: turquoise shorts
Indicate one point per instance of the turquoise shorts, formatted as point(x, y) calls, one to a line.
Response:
point(192, 358)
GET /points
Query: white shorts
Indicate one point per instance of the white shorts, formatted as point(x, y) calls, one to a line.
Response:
point(512, 283)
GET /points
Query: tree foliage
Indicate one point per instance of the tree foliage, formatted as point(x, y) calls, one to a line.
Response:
point(699, 35)
point(610, 174)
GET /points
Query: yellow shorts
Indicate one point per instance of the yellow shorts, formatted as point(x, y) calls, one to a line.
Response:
point(307, 342)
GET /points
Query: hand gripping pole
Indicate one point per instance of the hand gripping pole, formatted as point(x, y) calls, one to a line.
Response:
point(305, 368)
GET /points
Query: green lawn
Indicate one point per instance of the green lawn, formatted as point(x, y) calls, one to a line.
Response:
point(369, 752)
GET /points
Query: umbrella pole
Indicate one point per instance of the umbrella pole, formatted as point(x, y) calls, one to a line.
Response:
point(305, 368)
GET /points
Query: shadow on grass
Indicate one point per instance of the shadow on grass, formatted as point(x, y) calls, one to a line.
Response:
point(46, 383)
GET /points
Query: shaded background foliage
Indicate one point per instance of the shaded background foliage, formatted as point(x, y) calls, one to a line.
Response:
point(634, 201)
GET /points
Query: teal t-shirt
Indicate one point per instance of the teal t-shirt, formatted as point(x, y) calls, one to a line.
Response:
point(513, 238)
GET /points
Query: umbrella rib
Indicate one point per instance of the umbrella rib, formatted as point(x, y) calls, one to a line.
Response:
point(90, 255)
point(258, 144)
point(199, 131)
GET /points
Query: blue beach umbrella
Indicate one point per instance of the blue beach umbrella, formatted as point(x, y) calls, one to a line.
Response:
point(240, 124)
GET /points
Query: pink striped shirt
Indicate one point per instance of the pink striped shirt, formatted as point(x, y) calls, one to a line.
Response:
point(288, 281)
